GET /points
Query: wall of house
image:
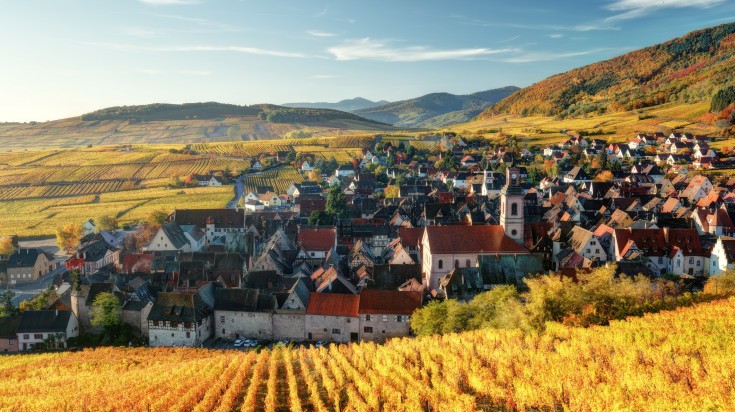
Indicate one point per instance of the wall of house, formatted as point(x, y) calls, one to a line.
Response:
point(232, 324)
point(138, 319)
point(168, 336)
point(718, 260)
point(430, 266)
point(383, 327)
point(331, 328)
point(9, 345)
point(289, 325)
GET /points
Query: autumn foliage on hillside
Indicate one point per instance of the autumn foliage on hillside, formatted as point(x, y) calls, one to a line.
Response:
point(688, 69)
point(678, 360)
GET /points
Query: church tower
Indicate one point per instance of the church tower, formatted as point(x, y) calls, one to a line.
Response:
point(511, 205)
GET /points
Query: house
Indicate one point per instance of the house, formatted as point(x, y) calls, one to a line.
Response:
point(221, 226)
point(89, 227)
point(28, 264)
point(82, 300)
point(315, 243)
point(587, 244)
point(135, 313)
point(182, 318)
point(46, 329)
point(722, 257)
point(332, 317)
point(207, 180)
point(385, 314)
point(446, 247)
point(257, 166)
point(344, 171)
point(577, 175)
point(306, 167)
point(243, 313)
point(270, 199)
point(96, 255)
point(8, 333)
point(171, 236)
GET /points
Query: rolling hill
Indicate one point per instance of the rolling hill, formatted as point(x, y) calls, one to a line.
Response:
point(435, 109)
point(184, 123)
point(689, 69)
point(347, 105)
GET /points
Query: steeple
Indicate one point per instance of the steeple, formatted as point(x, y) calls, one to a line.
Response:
point(511, 204)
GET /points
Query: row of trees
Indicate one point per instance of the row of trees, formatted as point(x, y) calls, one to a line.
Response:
point(595, 298)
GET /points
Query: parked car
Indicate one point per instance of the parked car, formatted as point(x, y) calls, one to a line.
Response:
point(239, 342)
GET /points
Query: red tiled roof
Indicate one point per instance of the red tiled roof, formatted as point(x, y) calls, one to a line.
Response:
point(333, 304)
point(410, 236)
point(389, 302)
point(471, 239)
point(317, 239)
point(137, 263)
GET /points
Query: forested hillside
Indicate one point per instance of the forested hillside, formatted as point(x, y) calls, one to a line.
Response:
point(688, 69)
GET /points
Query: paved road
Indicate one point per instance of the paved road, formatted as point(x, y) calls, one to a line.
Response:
point(239, 191)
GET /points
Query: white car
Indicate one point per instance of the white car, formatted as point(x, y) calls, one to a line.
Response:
point(239, 342)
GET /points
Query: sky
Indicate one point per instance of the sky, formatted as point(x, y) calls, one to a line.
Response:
point(63, 58)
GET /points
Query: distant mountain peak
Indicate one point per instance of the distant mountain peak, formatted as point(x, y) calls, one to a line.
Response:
point(346, 105)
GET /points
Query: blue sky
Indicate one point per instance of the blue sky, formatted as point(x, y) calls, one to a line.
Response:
point(62, 58)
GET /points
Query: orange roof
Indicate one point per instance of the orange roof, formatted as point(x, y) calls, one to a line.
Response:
point(333, 304)
point(410, 236)
point(389, 302)
point(318, 239)
point(471, 239)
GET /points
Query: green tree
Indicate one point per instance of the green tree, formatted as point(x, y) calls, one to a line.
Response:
point(533, 175)
point(157, 217)
point(320, 217)
point(106, 311)
point(6, 304)
point(336, 202)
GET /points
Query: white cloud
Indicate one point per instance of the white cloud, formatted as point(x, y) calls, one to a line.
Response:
point(208, 24)
point(369, 49)
point(165, 49)
point(631, 9)
point(530, 57)
point(556, 36)
point(169, 2)
point(140, 32)
point(318, 33)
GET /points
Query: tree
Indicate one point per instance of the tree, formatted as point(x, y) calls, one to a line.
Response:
point(106, 223)
point(604, 176)
point(67, 238)
point(39, 302)
point(6, 304)
point(336, 202)
point(319, 217)
point(157, 217)
point(533, 175)
point(6, 246)
point(106, 311)
point(315, 176)
point(392, 192)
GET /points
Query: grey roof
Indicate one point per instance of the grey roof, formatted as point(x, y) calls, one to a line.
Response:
point(25, 257)
point(179, 307)
point(136, 305)
point(175, 235)
point(44, 321)
point(241, 300)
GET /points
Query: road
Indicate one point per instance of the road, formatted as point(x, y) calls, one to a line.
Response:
point(29, 290)
point(239, 191)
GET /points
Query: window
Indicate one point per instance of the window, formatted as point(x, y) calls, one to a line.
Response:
point(336, 332)
point(11, 341)
point(223, 331)
point(467, 263)
point(221, 319)
point(597, 250)
point(513, 232)
point(155, 323)
point(26, 336)
point(678, 262)
point(385, 318)
point(691, 260)
point(660, 260)
point(402, 318)
point(368, 318)
point(514, 209)
point(38, 336)
point(593, 243)
point(441, 264)
point(698, 262)
point(188, 334)
point(367, 329)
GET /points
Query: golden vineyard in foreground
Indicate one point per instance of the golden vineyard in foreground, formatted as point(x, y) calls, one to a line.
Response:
point(679, 360)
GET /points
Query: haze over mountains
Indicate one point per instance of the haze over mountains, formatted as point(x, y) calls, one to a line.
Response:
point(347, 105)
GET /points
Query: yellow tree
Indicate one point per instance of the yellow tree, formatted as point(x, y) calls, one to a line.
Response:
point(68, 237)
point(6, 246)
point(604, 176)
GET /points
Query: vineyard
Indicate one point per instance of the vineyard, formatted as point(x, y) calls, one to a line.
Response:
point(279, 179)
point(677, 360)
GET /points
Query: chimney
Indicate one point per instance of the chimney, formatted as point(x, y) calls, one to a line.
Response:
point(57, 313)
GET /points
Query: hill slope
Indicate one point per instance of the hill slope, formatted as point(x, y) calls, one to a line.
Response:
point(347, 105)
point(184, 123)
point(435, 109)
point(677, 360)
point(688, 69)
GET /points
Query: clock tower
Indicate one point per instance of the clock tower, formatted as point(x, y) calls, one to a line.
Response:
point(511, 205)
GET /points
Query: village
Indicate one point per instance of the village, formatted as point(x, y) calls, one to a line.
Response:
point(351, 250)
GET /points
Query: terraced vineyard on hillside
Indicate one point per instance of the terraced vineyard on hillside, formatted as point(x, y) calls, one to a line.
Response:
point(677, 360)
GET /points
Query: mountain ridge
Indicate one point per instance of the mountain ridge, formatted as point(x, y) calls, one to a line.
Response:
point(689, 69)
point(435, 109)
point(346, 105)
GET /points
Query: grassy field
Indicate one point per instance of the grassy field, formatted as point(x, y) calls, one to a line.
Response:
point(678, 360)
point(618, 127)
point(74, 132)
